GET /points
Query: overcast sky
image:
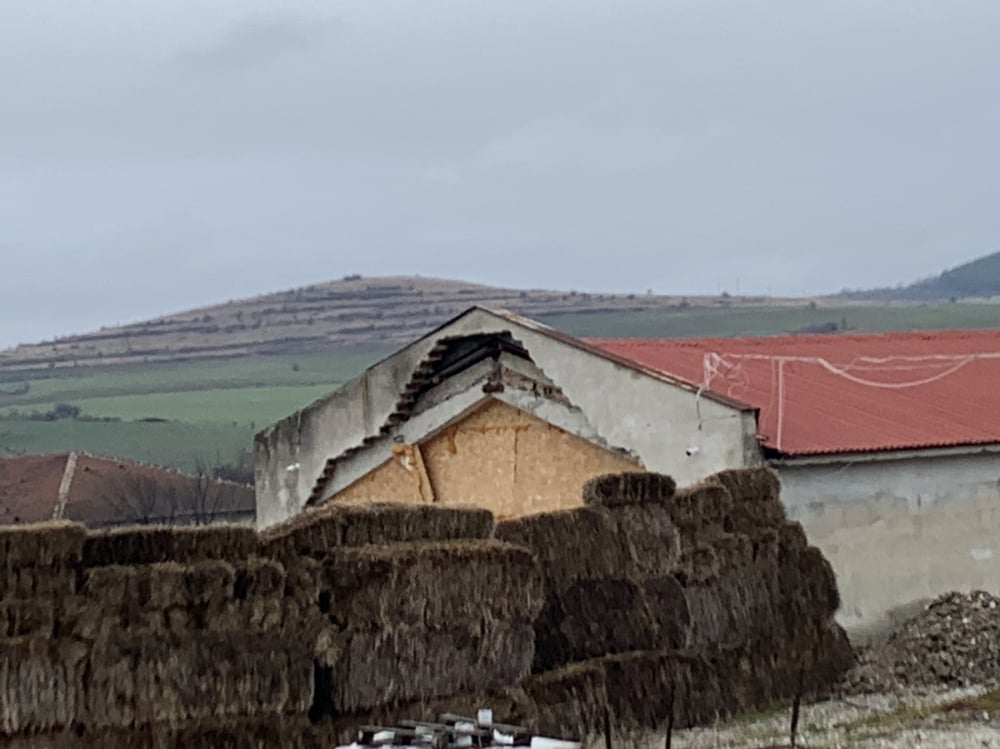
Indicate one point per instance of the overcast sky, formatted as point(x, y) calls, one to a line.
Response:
point(161, 155)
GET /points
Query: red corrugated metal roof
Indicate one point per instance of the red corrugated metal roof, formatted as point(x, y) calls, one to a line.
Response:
point(821, 394)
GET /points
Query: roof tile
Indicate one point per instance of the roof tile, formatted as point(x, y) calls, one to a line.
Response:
point(821, 394)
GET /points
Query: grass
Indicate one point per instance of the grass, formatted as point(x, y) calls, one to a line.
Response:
point(706, 321)
point(176, 444)
point(213, 407)
point(255, 406)
point(71, 384)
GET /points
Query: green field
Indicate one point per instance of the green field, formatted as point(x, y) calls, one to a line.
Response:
point(213, 408)
point(704, 321)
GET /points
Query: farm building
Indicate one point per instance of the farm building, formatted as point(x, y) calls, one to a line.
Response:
point(105, 492)
point(888, 446)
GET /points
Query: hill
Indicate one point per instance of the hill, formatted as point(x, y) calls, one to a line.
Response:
point(191, 389)
point(977, 279)
point(385, 311)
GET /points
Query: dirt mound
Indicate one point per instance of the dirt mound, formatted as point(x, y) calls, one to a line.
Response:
point(953, 642)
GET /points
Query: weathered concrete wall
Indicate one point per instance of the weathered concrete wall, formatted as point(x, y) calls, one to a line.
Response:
point(657, 419)
point(900, 531)
point(497, 457)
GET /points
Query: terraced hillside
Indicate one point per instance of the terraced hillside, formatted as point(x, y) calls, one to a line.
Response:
point(354, 310)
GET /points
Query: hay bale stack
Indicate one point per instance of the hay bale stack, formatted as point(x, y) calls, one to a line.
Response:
point(571, 545)
point(27, 618)
point(756, 494)
point(702, 509)
point(315, 532)
point(144, 680)
point(597, 600)
point(55, 544)
point(731, 609)
point(39, 560)
point(414, 663)
point(649, 537)
point(569, 702)
point(39, 684)
point(620, 489)
point(422, 620)
point(155, 544)
point(606, 616)
point(158, 597)
point(431, 584)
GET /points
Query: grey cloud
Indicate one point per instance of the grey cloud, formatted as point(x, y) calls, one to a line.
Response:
point(259, 39)
point(798, 146)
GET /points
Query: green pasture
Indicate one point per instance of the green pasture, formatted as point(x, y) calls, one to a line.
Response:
point(176, 444)
point(212, 408)
point(696, 322)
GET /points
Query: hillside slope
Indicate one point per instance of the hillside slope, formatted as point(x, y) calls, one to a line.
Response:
point(979, 278)
point(353, 310)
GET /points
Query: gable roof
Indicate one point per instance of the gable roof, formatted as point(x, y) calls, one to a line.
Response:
point(104, 491)
point(496, 362)
point(824, 394)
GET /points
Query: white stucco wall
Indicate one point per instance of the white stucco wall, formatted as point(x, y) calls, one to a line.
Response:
point(901, 531)
point(658, 420)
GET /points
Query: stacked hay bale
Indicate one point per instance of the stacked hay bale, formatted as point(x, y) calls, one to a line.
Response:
point(410, 602)
point(184, 625)
point(40, 676)
point(706, 597)
point(608, 579)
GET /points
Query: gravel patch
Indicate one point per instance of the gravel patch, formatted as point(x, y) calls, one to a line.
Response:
point(953, 642)
point(874, 721)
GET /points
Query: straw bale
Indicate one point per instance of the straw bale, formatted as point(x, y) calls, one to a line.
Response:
point(733, 550)
point(153, 544)
point(27, 618)
point(432, 583)
point(414, 663)
point(569, 702)
point(571, 545)
point(616, 489)
point(137, 680)
point(39, 684)
point(152, 597)
point(650, 536)
point(700, 509)
point(51, 544)
point(731, 609)
point(758, 484)
point(668, 606)
point(808, 580)
point(791, 539)
point(152, 586)
point(606, 616)
point(756, 494)
point(316, 531)
point(766, 543)
point(552, 646)
point(699, 564)
point(639, 687)
point(36, 581)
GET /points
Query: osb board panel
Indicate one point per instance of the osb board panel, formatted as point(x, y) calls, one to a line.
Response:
point(514, 463)
point(402, 478)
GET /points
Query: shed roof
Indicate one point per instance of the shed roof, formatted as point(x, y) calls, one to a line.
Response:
point(825, 394)
point(98, 491)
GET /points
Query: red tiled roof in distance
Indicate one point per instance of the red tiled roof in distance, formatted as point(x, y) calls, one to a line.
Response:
point(109, 491)
point(821, 394)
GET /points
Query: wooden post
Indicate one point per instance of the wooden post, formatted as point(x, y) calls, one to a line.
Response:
point(796, 704)
point(607, 728)
point(670, 717)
